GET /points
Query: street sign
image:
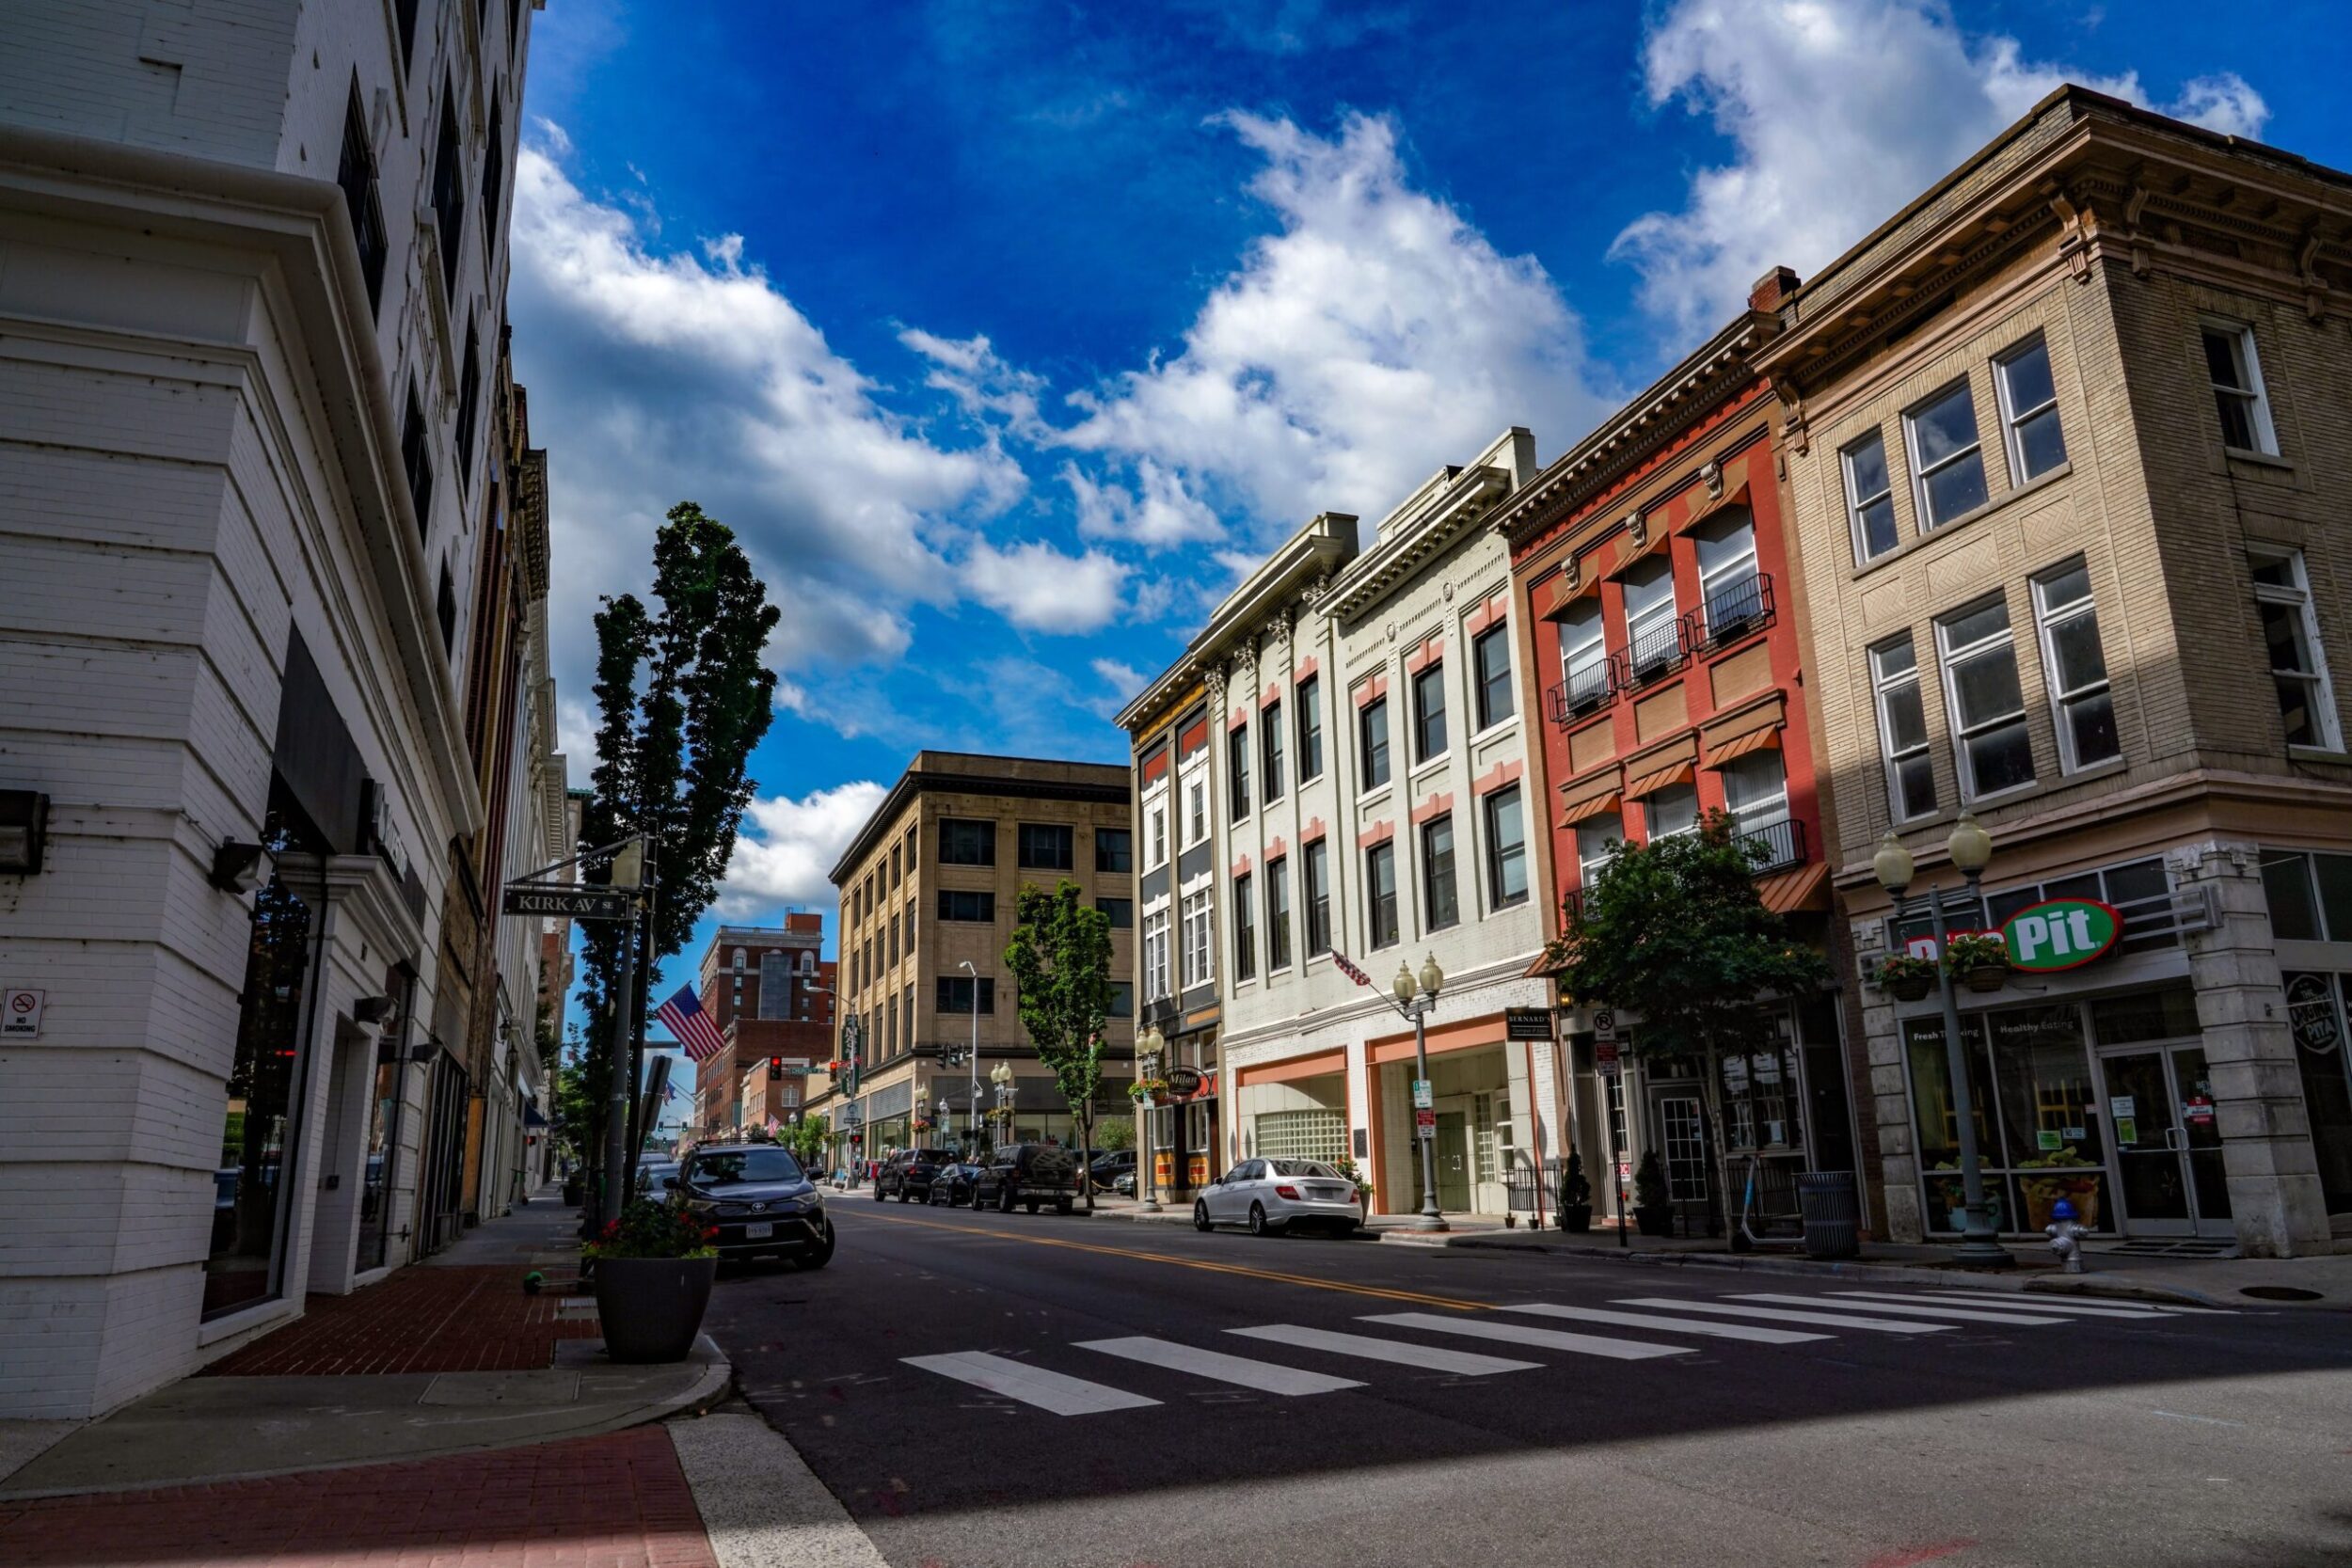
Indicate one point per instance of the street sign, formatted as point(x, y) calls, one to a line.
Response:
point(1183, 1082)
point(20, 1015)
point(569, 901)
point(2061, 933)
point(1604, 1023)
point(1605, 1058)
point(1423, 1096)
point(1527, 1024)
point(1425, 1124)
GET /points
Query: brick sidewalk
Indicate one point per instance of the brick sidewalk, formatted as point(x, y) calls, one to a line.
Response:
point(420, 1320)
point(617, 1501)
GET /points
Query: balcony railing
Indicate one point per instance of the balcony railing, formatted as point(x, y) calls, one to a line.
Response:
point(1655, 654)
point(1775, 846)
point(1734, 610)
point(1587, 690)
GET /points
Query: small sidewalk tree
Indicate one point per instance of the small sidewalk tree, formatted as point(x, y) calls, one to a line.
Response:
point(1674, 933)
point(1061, 959)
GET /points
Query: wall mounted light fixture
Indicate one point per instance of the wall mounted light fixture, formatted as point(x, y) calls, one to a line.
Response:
point(239, 867)
point(23, 831)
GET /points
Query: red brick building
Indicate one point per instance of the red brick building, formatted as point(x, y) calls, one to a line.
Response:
point(769, 991)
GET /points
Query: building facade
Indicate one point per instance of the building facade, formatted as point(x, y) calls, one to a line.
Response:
point(2066, 444)
point(252, 275)
point(1661, 635)
point(928, 889)
point(769, 991)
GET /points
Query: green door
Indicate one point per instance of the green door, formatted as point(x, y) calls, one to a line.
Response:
point(1453, 1165)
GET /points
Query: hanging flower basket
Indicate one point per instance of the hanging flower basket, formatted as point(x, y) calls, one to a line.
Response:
point(1981, 960)
point(1145, 1091)
point(1908, 978)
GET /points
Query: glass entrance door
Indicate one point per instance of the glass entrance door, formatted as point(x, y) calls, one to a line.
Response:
point(2167, 1143)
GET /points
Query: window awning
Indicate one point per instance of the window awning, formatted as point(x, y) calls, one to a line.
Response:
point(531, 1115)
point(1806, 888)
point(1590, 807)
point(1740, 745)
point(1664, 777)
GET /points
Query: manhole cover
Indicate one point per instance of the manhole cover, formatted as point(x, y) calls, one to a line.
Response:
point(2279, 1293)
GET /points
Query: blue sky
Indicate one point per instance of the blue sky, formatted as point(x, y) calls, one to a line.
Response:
point(1006, 333)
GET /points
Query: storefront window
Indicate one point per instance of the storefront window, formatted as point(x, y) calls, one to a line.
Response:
point(2317, 1027)
point(1761, 1102)
point(1938, 1122)
point(2050, 1129)
point(375, 1197)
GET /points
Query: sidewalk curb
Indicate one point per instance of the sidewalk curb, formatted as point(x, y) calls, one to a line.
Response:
point(761, 1505)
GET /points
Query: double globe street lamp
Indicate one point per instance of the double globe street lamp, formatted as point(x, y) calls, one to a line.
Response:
point(1001, 1075)
point(1416, 1007)
point(1149, 1045)
point(1971, 848)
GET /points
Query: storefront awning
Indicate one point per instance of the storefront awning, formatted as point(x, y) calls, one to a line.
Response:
point(531, 1115)
point(1806, 888)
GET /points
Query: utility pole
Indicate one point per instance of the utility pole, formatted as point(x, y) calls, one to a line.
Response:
point(620, 1170)
point(641, 982)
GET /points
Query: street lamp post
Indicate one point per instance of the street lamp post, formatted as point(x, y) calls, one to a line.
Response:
point(1416, 1007)
point(1970, 847)
point(1001, 1075)
point(1151, 1042)
point(974, 1061)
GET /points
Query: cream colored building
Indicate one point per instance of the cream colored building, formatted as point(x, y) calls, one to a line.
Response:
point(2066, 446)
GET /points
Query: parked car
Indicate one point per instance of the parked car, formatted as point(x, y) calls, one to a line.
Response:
point(760, 1200)
point(1273, 1196)
point(1124, 1185)
point(907, 1175)
point(952, 1183)
point(1032, 1175)
point(657, 1179)
point(1108, 1168)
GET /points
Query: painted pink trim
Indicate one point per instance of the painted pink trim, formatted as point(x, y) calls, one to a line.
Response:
point(1436, 806)
point(1421, 658)
point(1276, 851)
point(1241, 717)
point(1271, 695)
point(1379, 832)
point(1488, 613)
point(1500, 774)
point(1241, 866)
point(1305, 666)
point(1371, 690)
point(1313, 831)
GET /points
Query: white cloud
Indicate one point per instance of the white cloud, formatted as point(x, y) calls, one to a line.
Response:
point(1839, 112)
point(1374, 336)
point(1035, 586)
point(979, 379)
point(1159, 514)
point(1124, 680)
point(786, 847)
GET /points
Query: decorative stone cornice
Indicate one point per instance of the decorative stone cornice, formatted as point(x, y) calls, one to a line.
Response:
point(1465, 501)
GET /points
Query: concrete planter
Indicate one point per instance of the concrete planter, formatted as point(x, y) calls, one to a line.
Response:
point(1576, 1218)
point(652, 1307)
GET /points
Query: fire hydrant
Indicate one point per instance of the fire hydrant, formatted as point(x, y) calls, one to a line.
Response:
point(2066, 1236)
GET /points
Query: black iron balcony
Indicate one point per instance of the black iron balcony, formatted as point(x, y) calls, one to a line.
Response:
point(1658, 653)
point(1585, 691)
point(1775, 846)
point(1733, 610)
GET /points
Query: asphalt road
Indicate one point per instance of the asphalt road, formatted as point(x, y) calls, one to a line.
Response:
point(1018, 1390)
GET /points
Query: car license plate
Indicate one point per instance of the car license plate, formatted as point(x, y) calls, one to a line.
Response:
point(758, 1233)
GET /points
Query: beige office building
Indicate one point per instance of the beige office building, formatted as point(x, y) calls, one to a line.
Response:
point(2067, 450)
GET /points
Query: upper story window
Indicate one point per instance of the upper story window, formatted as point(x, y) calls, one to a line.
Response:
point(2029, 410)
point(1316, 890)
point(739, 959)
point(1653, 637)
point(356, 174)
point(494, 166)
point(963, 841)
point(1985, 704)
point(1114, 849)
point(1584, 656)
point(2299, 669)
point(1902, 729)
point(1756, 793)
point(1155, 845)
point(1244, 931)
point(1199, 951)
point(448, 190)
point(1120, 912)
point(1309, 729)
point(2081, 707)
point(1597, 841)
point(977, 904)
point(1671, 812)
point(1730, 589)
point(1237, 769)
point(1270, 739)
point(1946, 458)
point(1155, 954)
point(468, 400)
point(405, 18)
point(1380, 896)
point(1048, 846)
point(1278, 915)
point(1195, 811)
point(2238, 396)
point(1440, 899)
point(1490, 668)
point(1372, 738)
point(960, 993)
point(897, 864)
point(1429, 713)
point(416, 459)
point(1506, 849)
point(1869, 499)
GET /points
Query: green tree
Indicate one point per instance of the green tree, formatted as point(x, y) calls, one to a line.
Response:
point(683, 696)
point(1674, 934)
point(1115, 1135)
point(806, 1139)
point(1061, 959)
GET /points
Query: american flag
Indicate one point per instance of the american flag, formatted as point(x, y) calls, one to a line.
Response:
point(691, 1027)
point(1339, 961)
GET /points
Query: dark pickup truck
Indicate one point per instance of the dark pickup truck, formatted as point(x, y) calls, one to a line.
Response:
point(907, 1175)
point(1030, 1174)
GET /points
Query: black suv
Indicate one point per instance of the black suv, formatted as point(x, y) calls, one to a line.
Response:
point(761, 1201)
point(1032, 1175)
point(908, 1173)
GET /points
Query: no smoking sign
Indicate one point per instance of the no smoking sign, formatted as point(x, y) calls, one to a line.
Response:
point(20, 1015)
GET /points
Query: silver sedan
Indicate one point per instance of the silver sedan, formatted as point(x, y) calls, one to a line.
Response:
point(1273, 1196)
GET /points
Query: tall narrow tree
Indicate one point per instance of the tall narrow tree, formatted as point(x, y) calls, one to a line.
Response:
point(683, 695)
point(1061, 959)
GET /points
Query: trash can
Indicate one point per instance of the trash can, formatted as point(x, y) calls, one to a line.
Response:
point(1833, 1213)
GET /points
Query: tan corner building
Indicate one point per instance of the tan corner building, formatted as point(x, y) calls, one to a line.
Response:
point(2067, 450)
point(929, 886)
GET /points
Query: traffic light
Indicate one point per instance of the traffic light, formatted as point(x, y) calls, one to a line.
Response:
point(775, 1069)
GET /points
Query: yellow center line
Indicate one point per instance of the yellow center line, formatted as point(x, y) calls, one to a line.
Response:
point(1310, 1280)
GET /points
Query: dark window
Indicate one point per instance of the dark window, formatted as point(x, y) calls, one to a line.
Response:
point(1047, 847)
point(1380, 894)
point(1122, 910)
point(966, 904)
point(1245, 932)
point(357, 175)
point(1440, 902)
point(468, 402)
point(1491, 656)
point(445, 608)
point(1114, 849)
point(898, 865)
point(963, 841)
point(1317, 892)
point(448, 190)
point(1278, 915)
point(955, 993)
point(1506, 849)
point(1429, 713)
point(494, 168)
point(1237, 770)
point(1372, 730)
point(1123, 999)
point(1270, 737)
point(404, 13)
point(416, 460)
point(1309, 729)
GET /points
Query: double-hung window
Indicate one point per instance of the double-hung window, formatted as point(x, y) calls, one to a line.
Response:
point(2298, 673)
point(2029, 411)
point(356, 174)
point(2237, 387)
point(1755, 793)
point(1113, 851)
point(1902, 729)
point(1982, 696)
point(1200, 947)
point(966, 904)
point(1278, 915)
point(1309, 729)
point(1506, 849)
point(2081, 706)
point(1270, 737)
point(1946, 458)
point(1155, 847)
point(1380, 896)
point(1244, 931)
point(1583, 659)
point(1653, 633)
point(1237, 769)
point(1047, 847)
point(1120, 912)
point(1372, 730)
point(449, 192)
point(1597, 841)
point(1731, 591)
point(1491, 669)
point(1429, 713)
point(1317, 892)
point(1156, 975)
point(1869, 499)
point(1440, 901)
point(965, 842)
point(1195, 811)
point(1671, 812)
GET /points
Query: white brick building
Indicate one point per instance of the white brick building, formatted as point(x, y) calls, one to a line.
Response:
point(253, 441)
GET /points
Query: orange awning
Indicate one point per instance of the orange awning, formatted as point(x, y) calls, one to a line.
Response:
point(1806, 888)
point(1588, 808)
point(1664, 778)
point(1740, 745)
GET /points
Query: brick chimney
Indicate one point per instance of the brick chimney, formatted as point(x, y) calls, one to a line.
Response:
point(1772, 289)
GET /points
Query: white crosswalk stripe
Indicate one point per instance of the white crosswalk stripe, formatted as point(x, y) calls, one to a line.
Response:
point(1018, 1380)
point(1265, 1377)
point(1778, 1314)
point(1955, 1313)
point(2152, 1308)
point(1683, 1325)
point(1432, 1358)
point(1523, 1334)
point(1987, 1301)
